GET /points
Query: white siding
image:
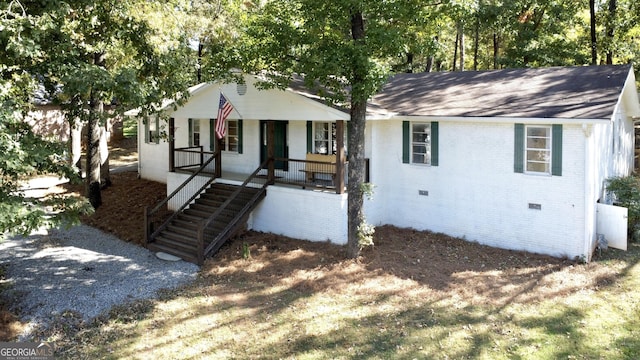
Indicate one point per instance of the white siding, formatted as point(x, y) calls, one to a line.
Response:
point(270, 104)
point(610, 148)
point(153, 159)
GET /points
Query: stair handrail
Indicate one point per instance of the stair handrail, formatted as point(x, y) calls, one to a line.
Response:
point(205, 222)
point(149, 236)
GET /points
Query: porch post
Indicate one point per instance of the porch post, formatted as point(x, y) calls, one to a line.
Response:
point(339, 182)
point(271, 130)
point(172, 145)
point(218, 160)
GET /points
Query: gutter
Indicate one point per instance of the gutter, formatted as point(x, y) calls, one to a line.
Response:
point(502, 120)
point(588, 228)
point(139, 140)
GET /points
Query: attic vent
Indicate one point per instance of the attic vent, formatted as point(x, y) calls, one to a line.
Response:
point(241, 88)
point(535, 206)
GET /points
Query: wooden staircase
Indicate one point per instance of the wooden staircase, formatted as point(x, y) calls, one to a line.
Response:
point(180, 236)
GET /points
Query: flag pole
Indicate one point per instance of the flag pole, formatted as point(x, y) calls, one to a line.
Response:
point(234, 107)
point(225, 107)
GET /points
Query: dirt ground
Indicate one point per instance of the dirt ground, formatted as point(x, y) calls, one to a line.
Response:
point(449, 267)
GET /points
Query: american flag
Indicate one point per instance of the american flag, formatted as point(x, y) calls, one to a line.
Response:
point(224, 109)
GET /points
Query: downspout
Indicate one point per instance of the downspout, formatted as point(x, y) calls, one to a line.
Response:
point(635, 121)
point(587, 129)
point(139, 141)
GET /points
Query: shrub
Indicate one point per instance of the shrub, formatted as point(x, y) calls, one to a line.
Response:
point(626, 192)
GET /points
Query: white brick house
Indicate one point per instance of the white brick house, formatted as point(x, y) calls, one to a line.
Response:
point(514, 159)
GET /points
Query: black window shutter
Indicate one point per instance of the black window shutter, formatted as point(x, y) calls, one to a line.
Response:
point(518, 150)
point(147, 127)
point(309, 137)
point(406, 142)
point(239, 136)
point(556, 150)
point(434, 143)
point(190, 132)
point(212, 134)
point(156, 134)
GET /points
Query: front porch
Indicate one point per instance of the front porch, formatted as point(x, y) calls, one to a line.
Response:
point(203, 210)
point(297, 173)
point(325, 172)
point(207, 204)
point(217, 180)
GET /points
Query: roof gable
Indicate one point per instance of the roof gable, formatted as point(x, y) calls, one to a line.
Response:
point(254, 103)
point(584, 92)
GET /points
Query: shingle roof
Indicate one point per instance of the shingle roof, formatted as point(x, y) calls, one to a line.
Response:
point(583, 92)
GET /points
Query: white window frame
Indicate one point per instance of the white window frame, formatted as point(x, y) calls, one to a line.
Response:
point(195, 130)
point(152, 129)
point(231, 142)
point(530, 149)
point(417, 142)
point(325, 132)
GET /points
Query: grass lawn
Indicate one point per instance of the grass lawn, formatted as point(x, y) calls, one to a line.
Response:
point(415, 295)
point(129, 127)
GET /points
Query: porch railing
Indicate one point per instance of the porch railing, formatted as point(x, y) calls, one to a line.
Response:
point(191, 158)
point(295, 172)
point(157, 218)
point(309, 174)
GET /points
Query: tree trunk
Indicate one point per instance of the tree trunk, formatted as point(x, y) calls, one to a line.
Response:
point(594, 47)
point(75, 144)
point(93, 143)
point(93, 153)
point(430, 59)
point(455, 52)
point(476, 43)
point(199, 71)
point(429, 66)
point(613, 5)
point(409, 62)
point(461, 31)
point(105, 174)
point(357, 123)
point(496, 48)
point(356, 176)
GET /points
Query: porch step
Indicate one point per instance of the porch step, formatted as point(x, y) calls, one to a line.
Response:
point(179, 237)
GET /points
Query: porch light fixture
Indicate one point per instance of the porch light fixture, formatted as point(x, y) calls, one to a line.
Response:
point(241, 88)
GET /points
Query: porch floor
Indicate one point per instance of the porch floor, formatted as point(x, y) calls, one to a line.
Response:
point(237, 178)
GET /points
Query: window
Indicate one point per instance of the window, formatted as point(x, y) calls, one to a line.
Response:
point(538, 149)
point(322, 136)
point(323, 139)
point(152, 130)
point(420, 143)
point(232, 140)
point(194, 132)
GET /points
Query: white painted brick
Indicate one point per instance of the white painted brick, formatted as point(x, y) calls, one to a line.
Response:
point(475, 194)
point(302, 214)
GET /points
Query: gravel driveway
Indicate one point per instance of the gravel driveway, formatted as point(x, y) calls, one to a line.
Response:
point(84, 270)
